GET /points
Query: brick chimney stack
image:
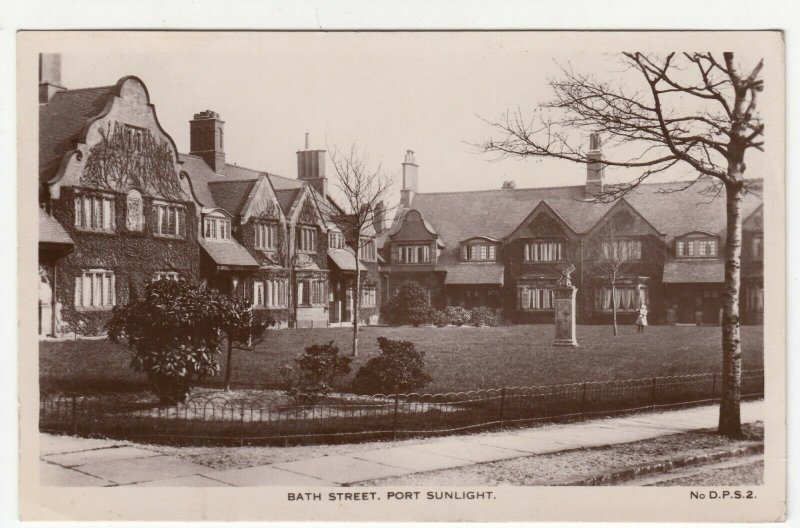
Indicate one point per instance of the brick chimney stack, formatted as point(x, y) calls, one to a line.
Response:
point(595, 170)
point(206, 135)
point(410, 170)
point(49, 76)
point(311, 167)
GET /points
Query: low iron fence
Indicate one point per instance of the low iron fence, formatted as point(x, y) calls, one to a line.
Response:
point(307, 418)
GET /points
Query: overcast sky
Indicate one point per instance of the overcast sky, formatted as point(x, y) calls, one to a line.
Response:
point(385, 92)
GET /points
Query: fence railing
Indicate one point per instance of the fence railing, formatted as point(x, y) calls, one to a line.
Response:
point(308, 418)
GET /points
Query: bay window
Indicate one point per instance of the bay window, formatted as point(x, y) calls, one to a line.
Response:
point(535, 297)
point(628, 297)
point(312, 292)
point(270, 293)
point(366, 250)
point(335, 240)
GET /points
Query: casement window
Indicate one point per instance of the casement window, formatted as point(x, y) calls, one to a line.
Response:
point(479, 252)
point(754, 298)
point(535, 297)
point(414, 253)
point(757, 250)
point(366, 251)
point(544, 251)
point(266, 236)
point(621, 250)
point(95, 289)
point(270, 293)
point(312, 292)
point(94, 212)
point(628, 298)
point(170, 220)
point(166, 275)
point(696, 247)
point(335, 240)
point(307, 239)
point(368, 296)
point(217, 228)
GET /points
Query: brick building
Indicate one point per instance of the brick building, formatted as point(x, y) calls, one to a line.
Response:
point(505, 249)
point(121, 206)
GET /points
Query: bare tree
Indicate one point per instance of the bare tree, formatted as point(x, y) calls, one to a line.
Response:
point(691, 109)
point(364, 188)
point(612, 258)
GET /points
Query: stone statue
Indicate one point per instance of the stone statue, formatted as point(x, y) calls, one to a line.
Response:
point(565, 281)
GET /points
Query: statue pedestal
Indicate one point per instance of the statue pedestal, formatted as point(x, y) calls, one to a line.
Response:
point(565, 316)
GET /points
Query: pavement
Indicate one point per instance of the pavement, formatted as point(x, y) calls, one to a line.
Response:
point(72, 461)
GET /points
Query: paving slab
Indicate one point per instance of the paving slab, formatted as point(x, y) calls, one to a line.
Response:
point(109, 454)
point(341, 469)
point(52, 444)
point(411, 458)
point(471, 451)
point(526, 444)
point(142, 469)
point(54, 475)
point(265, 476)
point(189, 481)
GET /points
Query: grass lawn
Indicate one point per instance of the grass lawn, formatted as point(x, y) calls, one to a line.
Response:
point(458, 358)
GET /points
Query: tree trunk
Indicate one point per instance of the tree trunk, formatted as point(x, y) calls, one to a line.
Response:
point(356, 304)
point(729, 412)
point(228, 365)
point(614, 307)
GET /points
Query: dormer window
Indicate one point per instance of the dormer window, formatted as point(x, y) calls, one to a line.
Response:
point(544, 251)
point(479, 251)
point(217, 228)
point(366, 250)
point(696, 245)
point(414, 253)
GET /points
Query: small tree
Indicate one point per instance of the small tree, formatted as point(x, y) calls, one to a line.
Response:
point(243, 331)
point(173, 333)
point(319, 365)
point(611, 259)
point(408, 305)
point(398, 367)
point(364, 188)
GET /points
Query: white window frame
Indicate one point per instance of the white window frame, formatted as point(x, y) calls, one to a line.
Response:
point(639, 294)
point(628, 249)
point(216, 228)
point(537, 298)
point(368, 296)
point(266, 236)
point(306, 239)
point(91, 206)
point(414, 253)
point(163, 211)
point(701, 247)
point(95, 289)
point(366, 249)
point(545, 250)
point(335, 240)
point(167, 275)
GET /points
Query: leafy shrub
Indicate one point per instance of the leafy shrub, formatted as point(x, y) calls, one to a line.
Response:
point(174, 333)
point(319, 365)
point(457, 315)
point(399, 367)
point(408, 305)
point(483, 316)
point(439, 318)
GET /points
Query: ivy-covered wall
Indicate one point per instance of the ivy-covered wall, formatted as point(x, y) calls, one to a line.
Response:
point(133, 256)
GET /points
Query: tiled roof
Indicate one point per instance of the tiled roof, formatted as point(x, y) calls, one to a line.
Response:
point(61, 121)
point(231, 195)
point(694, 271)
point(287, 197)
point(51, 232)
point(344, 259)
point(228, 253)
point(477, 273)
point(457, 216)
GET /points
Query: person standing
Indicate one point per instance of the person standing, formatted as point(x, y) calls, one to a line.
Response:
point(641, 319)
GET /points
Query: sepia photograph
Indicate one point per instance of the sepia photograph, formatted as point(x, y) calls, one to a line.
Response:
point(435, 267)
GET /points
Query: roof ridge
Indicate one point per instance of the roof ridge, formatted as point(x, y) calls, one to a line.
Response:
point(234, 181)
point(108, 87)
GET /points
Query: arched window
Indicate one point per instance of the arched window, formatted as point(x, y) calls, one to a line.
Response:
point(134, 220)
